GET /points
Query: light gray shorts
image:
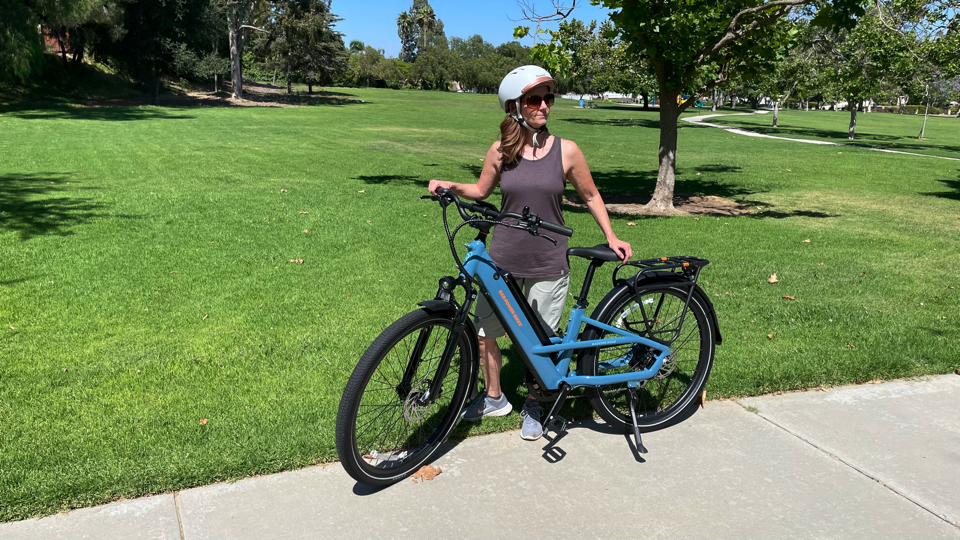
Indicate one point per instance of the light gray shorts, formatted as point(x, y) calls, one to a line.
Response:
point(545, 295)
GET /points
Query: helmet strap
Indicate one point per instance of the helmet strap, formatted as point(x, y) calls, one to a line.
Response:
point(536, 132)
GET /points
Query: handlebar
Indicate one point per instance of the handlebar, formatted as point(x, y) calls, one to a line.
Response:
point(487, 210)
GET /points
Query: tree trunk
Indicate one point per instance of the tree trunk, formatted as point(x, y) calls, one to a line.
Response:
point(289, 84)
point(806, 105)
point(776, 112)
point(646, 101)
point(60, 34)
point(237, 15)
point(851, 131)
point(662, 201)
point(274, 83)
point(309, 87)
point(713, 105)
point(926, 114)
point(155, 89)
point(79, 46)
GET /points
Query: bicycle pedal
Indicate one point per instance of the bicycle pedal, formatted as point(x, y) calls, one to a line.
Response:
point(557, 420)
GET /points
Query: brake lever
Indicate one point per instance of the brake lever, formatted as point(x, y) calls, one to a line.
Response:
point(547, 237)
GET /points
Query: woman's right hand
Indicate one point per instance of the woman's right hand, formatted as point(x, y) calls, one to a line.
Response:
point(434, 184)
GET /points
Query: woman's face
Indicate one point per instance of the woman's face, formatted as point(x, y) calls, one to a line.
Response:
point(536, 117)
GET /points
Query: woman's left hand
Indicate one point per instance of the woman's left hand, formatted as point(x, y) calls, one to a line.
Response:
point(621, 248)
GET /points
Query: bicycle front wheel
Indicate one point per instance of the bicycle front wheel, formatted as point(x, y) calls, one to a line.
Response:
point(654, 312)
point(383, 431)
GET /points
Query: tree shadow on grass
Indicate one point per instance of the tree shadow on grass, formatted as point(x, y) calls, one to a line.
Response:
point(38, 204)
point(624, 188)
point(952, 184)
point(616, 122)
point(887, 142)
point(110, 114)
point(394, 179)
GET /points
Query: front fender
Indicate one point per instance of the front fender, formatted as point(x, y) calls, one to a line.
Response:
point(439, 307)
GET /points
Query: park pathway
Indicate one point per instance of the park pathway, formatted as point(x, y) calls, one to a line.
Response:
point(873, 461)
point(700, 121)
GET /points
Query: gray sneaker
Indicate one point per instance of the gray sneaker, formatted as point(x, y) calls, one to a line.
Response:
point(485, 406)
point(531, 430)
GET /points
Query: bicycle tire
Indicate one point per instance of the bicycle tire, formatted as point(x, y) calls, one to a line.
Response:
point(380, 458)
point(658, 408)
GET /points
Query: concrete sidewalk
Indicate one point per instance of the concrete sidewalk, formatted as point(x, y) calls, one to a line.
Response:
point(869, 461)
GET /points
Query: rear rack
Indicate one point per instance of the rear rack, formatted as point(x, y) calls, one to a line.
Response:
point(680, 264)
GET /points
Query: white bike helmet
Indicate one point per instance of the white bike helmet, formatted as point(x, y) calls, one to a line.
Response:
point(518, 82)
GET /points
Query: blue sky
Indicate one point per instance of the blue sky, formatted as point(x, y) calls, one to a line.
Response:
point(374, 22)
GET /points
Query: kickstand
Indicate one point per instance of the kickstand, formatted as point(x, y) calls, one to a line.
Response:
point(632, 394)
point(553, 416)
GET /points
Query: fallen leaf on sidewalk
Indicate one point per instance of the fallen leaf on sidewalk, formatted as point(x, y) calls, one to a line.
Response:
point(427, 472)
point(788, 297)
point(773, 279)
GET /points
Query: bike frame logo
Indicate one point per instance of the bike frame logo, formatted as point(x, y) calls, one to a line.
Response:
point(512, 312)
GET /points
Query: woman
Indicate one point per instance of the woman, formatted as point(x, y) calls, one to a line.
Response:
point(531, 167)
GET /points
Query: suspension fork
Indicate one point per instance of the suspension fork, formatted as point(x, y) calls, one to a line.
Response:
point(456, 331)
point(416, 357)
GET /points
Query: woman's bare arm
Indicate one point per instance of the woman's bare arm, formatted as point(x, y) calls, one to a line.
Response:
point(489, 178)
point(578, 172)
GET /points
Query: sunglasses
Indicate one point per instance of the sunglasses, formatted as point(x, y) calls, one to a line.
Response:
point(533, 102)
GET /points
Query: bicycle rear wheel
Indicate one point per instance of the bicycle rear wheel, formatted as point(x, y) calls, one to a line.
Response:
point(383, 434)
point(683, 375)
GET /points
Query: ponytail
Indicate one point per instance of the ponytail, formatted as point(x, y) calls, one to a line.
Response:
point(511, 140)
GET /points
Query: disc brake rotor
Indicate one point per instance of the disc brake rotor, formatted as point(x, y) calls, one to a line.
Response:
point(413, 411)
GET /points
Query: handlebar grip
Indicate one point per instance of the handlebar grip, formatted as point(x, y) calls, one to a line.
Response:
point(559, 229)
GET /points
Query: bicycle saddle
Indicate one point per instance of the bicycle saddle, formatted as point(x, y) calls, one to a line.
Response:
point(599, 252)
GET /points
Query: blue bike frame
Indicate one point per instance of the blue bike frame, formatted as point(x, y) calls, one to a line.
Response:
point(479, 265)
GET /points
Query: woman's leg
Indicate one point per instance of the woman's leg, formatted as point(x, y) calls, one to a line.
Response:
point(491, 362)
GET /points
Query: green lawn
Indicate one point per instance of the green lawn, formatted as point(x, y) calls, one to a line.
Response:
point(878, 130)
point(146, 281)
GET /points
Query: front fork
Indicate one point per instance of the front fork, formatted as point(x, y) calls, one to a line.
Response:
point(447, 284)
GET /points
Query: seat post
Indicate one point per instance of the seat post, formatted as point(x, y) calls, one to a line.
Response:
point(587, 280)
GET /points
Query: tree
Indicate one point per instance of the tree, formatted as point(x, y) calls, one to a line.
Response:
point(241, 18)
point(692, 46)
point(426, 19)
point(404, 23)
point(21, 45)
point(156, 35)
point(857, 59)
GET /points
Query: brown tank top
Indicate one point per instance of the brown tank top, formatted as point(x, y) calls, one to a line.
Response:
point(538, 184)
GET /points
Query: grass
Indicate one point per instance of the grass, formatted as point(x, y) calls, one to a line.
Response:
point(146, 282)
point(878, 130)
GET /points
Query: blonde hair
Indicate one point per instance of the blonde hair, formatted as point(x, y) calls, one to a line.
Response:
point(511, 138)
